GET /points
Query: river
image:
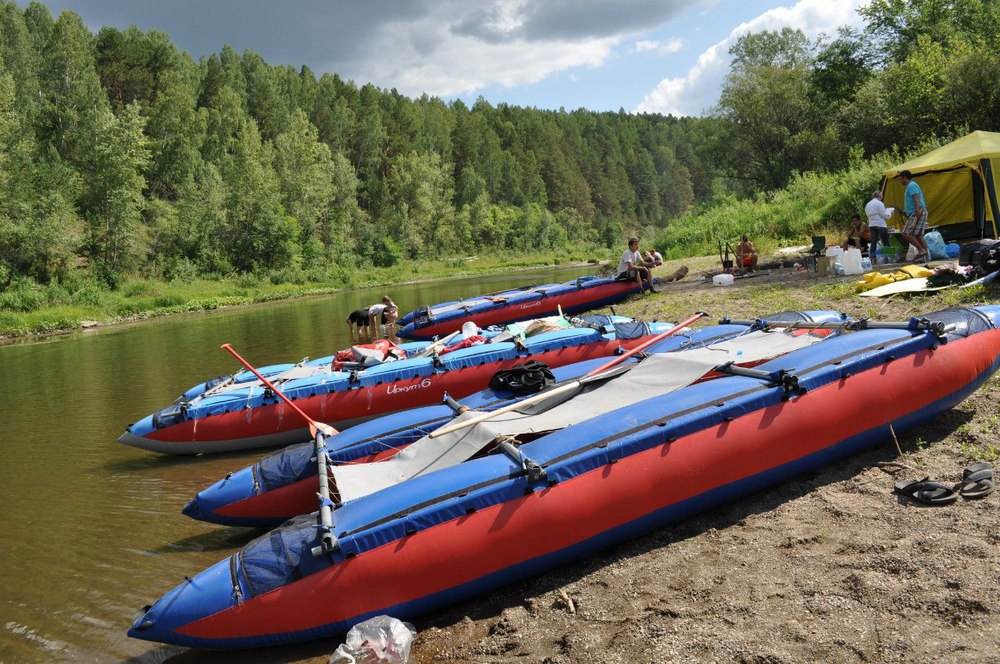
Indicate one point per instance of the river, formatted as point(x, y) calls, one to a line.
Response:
point(92, 529)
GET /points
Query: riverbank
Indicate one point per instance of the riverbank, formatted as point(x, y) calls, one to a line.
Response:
point(141, 299)
point(829, 567)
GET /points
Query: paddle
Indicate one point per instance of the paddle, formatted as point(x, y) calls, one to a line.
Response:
point(319, 432)
point(326, 429)
point(572, 385)
point(428, 350)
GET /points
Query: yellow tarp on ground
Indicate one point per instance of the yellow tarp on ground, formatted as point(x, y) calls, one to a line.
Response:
point(946, 176)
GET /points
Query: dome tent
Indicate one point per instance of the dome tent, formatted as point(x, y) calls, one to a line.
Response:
point(959, 181)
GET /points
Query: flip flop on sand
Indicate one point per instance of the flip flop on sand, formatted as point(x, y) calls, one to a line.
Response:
point(977, 481)
point(927, 491)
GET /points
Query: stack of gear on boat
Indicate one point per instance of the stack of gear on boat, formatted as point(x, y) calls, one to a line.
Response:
point(367, 355)
point(470, 337)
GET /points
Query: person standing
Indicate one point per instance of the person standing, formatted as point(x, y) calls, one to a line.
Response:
point(877, 215)
point(386, 310)
point(916, 216)
point(632, 267)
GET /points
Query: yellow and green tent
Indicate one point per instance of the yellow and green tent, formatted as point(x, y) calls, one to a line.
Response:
point(959, 181)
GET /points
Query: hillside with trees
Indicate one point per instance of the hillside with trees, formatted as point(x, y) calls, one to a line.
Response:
point(124, 152)
point(805, 129)
point(122, 157)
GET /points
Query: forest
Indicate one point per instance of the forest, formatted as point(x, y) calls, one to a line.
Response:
point(123, 157)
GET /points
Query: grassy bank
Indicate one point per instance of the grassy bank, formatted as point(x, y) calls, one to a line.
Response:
point(784, 290)
point(30, 308)
point(811, 204)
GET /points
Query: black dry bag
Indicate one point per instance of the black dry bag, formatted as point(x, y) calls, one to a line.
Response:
point(528, 378)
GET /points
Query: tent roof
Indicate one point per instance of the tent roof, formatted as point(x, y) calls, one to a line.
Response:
point(967, 150)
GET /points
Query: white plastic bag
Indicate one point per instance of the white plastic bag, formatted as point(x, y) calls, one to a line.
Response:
point(378, 640)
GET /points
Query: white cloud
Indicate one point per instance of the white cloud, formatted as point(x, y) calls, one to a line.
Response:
point(457, 47)
point(458, 64)
point(697, 91)
point(659, 48)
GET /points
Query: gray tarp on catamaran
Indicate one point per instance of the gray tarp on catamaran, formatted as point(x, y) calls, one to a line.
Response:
point(654, 376)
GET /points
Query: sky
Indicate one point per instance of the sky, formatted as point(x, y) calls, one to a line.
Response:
point(645, 56)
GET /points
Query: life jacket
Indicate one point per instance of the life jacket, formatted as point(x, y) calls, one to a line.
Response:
point(368, 355)
point(474, 340)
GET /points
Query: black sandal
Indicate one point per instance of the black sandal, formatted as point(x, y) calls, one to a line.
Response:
point(977, 482)
point(927, 491)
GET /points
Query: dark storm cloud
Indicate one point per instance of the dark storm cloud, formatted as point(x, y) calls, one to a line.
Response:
point(540, 20)
point(312, 32)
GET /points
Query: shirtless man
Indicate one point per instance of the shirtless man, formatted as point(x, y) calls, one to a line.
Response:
point(746, 255)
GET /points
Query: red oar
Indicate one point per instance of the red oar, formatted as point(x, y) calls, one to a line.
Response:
point(326, 429)
point(646, 344)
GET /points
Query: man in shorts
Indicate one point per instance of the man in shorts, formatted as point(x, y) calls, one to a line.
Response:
point(358, 319)
point(632, 266)
point(916, 216)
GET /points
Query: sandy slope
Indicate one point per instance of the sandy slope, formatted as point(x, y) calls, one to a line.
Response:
point(831, 567)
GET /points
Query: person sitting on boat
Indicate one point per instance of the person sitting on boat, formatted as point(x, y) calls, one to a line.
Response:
point(385, 312)
point(358, 319)
point(632, 266)
point(746, 254)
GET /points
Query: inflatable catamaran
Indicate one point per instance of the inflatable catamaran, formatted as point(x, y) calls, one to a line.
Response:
point(283, 485)
point(237, 412)
point(572, 473)
point(571, 297)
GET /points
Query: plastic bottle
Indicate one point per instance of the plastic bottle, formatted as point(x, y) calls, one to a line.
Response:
point(866, 264)
point(851, 261)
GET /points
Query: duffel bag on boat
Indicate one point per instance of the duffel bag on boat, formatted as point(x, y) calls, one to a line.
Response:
point(528, 378)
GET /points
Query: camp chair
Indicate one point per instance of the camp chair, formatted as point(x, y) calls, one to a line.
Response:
point(727, 262)
point(819, 245)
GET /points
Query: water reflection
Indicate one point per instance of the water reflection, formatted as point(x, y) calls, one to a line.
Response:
point(92, 529)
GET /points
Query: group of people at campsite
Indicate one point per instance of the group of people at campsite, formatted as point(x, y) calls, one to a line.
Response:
point(868, 234)
point(638, 266)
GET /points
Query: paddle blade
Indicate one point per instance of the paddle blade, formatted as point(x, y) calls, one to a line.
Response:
point(325, 429)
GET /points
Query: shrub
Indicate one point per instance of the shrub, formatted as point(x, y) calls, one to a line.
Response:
point(89, 295)
point(25, 295)
point(139, 288)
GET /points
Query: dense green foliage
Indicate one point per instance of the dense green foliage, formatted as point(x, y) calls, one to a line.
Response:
point(121, 156)
point(806, 129)
point(808, 205)
point(123, 159)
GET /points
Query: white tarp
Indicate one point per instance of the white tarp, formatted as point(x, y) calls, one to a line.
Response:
point(654, 376)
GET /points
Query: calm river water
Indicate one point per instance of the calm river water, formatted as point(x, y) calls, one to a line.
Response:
point(91, 529)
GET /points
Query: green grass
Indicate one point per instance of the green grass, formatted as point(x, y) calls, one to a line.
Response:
point(811, 204)
point(989, 453)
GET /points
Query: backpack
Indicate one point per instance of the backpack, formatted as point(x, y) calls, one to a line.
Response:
point(528, 378)
point(983, 254)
